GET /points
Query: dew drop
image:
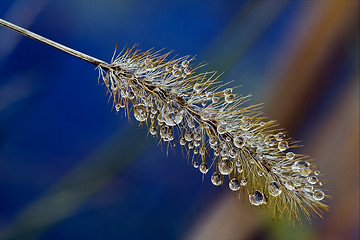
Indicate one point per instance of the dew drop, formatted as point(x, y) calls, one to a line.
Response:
point(153, 130)
point(299, 164)
point(188, 136)
point(221, 129)
point(318, 195)
point(256, 198)
point(317, 172)
point(234, 184)
point(217, 179)
point(243, 182)
point(312, 179)
point(196, 164)
point(227, 91)
point(140, 113)
point(213, 141)
point(274, 189)
point(117, 107)
point(283, 145)
point(182, 141)
point(196, 143)
point(204, 168)
point(280, 136)
point(185, 63)
point(197, 87)
point(229, 98)
point(305, 171)
point(225, 166)
point(172, 114)
point(215, 99)
point(290, 155)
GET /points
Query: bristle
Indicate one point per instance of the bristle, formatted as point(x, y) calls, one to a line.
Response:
point(217, 131)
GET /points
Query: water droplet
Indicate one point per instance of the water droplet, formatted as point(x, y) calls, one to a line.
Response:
point(197, 136)
point(187, 71)
point(225, 166)
point(117, 107)
point(234, 184)
point(191, 123)
point(153, 130)
point(196, 164)
point(202, 151)
point(221, 129)
point(274, 189)
point(190, 145)
point(299, 164)
point(305, 171)
point(229, 98)
point(163, 131)
point(317, 172)
point(131, 95)
point(172, 114)
point(312, 179)
point(239, 142)
point(283, 145)
point(227, 91)
point(197, 87)
point(290, 155)
point(204, 168)
point(185, 63)
point(213, 141)
point(262, 124)
point(215, 99)
point(318, 195)
point(140, 113)
point(176, 72)
point(256, 198)
point(188, 136)
point(182, 141)
point(270, 140)
point(280, 136)
point(217, 179)
point(196, 143)
point(289, 186)
point(243, 182)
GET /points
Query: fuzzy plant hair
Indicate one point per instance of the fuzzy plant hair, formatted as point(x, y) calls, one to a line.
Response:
point(234, 143)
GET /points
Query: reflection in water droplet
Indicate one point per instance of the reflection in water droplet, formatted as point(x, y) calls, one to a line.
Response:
point(239, 142)
point(196, 164)
point(216, 178)
point(225, 166)
point(290, 155)
point(172, 114)
point(204, 168)
point(221, 129)
point(283, 145)
point(256, 198)
point(234, 184)
point(312, 179)
point(229, 98)
point(140, 113)
point(318, 195)
point(274, 189)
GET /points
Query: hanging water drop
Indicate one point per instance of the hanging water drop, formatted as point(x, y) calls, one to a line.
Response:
point(256, 198)
point(172, 114)
point(225, 166)
point(274, 189)
point(217, 179)
point(318, 195)
point(140, 113)
point(234, 184)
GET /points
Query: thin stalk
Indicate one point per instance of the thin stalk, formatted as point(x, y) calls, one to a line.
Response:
point(27, 33)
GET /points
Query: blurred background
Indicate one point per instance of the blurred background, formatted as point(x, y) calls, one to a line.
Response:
point(71, 168)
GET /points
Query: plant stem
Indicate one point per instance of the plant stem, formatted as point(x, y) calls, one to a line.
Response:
point(53, 44)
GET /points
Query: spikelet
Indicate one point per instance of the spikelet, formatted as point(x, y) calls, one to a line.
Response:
point(236, 144)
